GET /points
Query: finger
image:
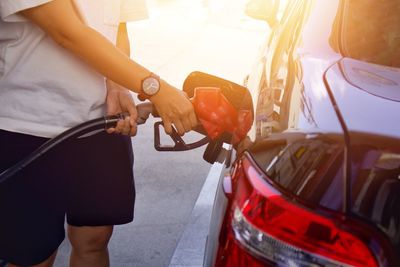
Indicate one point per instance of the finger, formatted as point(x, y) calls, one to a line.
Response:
point(179, 127)
point(133, 114)
point(167, 126)
point(186, 124)
point(190, 117)
point(193, 119)
point(132, 121)
point(126, 126)
point(133, 130)
point(119, 127)
point(110, 130)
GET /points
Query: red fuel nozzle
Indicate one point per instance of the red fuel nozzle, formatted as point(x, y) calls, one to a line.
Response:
point(218, 116)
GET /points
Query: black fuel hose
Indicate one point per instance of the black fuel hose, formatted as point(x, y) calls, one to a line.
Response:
point(77, 131)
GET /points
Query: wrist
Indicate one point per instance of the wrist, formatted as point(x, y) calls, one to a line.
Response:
point(165, 91)
point(150, 87)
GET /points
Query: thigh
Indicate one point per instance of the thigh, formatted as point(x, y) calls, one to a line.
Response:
point(101, 188)
point(31, 204)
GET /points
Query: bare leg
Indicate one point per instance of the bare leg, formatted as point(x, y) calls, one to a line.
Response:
point(89, 246)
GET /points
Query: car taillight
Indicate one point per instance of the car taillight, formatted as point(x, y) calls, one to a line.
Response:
point(268, 226)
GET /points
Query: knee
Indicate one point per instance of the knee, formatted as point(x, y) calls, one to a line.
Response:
point(87, 240)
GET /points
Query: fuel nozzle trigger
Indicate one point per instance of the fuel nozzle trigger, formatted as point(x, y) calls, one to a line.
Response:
point(179, 143)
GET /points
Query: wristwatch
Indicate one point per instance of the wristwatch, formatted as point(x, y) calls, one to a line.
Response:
point(150, 87)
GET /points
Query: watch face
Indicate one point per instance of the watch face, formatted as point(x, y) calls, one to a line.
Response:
point(150, 86)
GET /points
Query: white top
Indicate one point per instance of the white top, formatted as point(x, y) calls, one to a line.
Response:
point(44, 89)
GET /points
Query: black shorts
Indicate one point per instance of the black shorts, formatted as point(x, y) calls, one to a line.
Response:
point(89, 180)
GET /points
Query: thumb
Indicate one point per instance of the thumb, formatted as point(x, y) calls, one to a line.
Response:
point(132, 114)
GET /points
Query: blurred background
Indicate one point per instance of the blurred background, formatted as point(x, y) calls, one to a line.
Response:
point(180, 36)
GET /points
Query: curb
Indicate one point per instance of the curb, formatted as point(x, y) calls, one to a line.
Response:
point(191, 247)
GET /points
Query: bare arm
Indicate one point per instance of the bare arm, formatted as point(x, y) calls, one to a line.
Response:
point(123, 42)
point(59, 19)
point(119, 99)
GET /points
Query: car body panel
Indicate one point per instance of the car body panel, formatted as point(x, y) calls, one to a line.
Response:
point(322, 120)
point(304, 103)
point(217, 219)
point(362, 110)
point(375, 79)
